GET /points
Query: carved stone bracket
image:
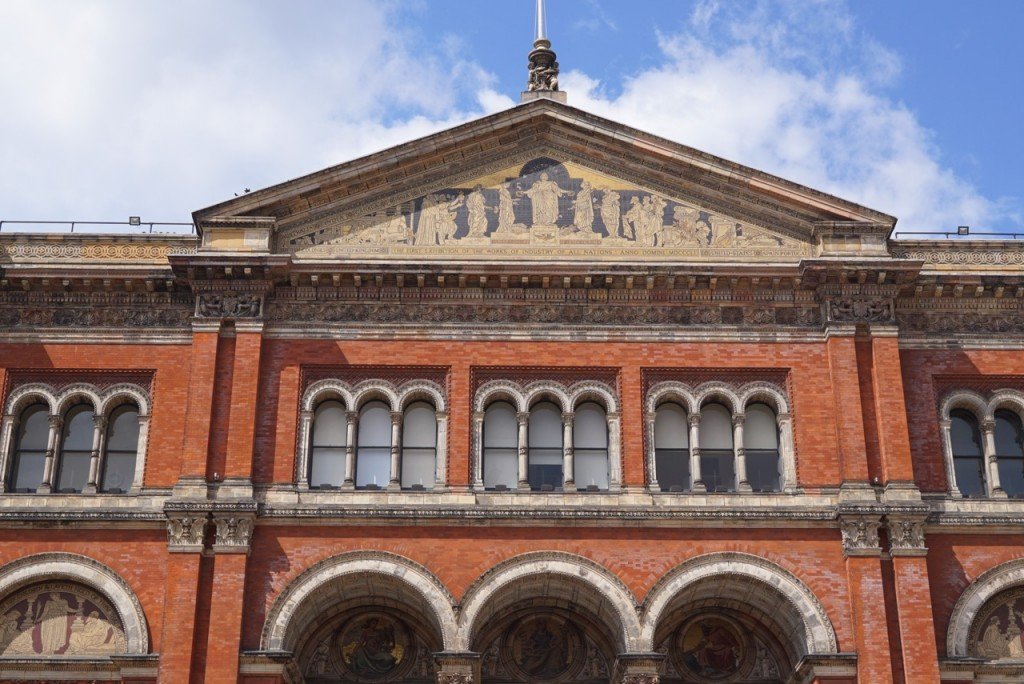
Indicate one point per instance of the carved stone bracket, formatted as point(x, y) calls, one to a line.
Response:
point(233, 532)
point(861, 310)
point(860, 535)
point(185, 531)
point(229, 305)
point(906, 536)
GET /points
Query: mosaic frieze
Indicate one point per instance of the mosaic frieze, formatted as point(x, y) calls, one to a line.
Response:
point(716, 648)
point(998, 632)
point(59, 619)
point(541, 209)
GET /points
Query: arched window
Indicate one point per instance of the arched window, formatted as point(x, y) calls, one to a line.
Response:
point(30, 453)
point(419, 446)
point(590, 447)
point(545, 447)
point(1009, 453)
point(717, 467)
point(373, 456)
point(501, 447)
point(122, 447)
point(75, 450)
point(968, 456)
point(761, 446)
point(672, 448)
point(327, 452)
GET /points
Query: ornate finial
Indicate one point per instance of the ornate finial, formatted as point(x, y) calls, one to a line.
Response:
point(543, 65)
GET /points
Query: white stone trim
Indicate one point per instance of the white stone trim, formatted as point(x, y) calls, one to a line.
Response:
point(819, 636)
point(374, 390)
point(421, 390)
point(965, 612)
point(587, 574)
point(500, 390)
point(598, 392)
point(276, 635)
point(79, 391)
point(541, 390)
point(672, 391)
point(93, 574)
point(324, 390)
point(715, 391)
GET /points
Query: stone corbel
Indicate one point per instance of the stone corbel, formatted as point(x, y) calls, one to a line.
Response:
point(906, 536)
point(233, 532)
point(860, 534)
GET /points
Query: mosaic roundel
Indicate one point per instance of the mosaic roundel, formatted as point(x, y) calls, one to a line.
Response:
point(713, 649)
point(998, 631)
point(544, 648)
point(59, 619)
point(374, 647)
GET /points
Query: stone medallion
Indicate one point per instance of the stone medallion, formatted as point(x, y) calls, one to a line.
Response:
point(712, 648)
point(374, 647)
point(544, 648)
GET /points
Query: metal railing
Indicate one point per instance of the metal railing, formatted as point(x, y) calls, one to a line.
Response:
point(117, 227)
point(957, 235)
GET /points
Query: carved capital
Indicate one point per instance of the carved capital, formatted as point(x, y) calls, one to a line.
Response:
point(694, 420)
point(567, 418)
point(229, 305)
point(860, 534)
point(185, 532)
point(738, 419)
point(523, 417)
point(861, 310)
point(55, 422)
point(906, 536)
point(234, 532)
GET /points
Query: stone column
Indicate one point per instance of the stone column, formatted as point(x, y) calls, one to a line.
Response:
point(864, 576)
point(352, 419)
point(394, 481)
point(99, 437)
point(10, 425)
point(913, 598)
point(696, 481)
point(524, 479)
point(637, 668)
point(441, 461)
point(652, 461)
point(787, 453)
point(947, 455)
point(305, 447)
point(478, 451)
point(742, 484)
point(988, 432)
point(52, 447)
point(457, 667)
point(614, 452)
point(568, 456)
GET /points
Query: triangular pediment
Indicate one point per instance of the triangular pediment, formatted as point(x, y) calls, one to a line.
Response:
point(544, 181)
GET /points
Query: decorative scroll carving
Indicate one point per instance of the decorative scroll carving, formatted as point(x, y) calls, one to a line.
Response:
point(185, 532)
point(858, 310)
point(995, 321)
point(233, 533)
point(860, 534)
point(906, 536)
point(542, 208)
point(229, 305)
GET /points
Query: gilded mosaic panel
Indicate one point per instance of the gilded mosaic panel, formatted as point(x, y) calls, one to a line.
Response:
point(541, 209)
point(59, 619)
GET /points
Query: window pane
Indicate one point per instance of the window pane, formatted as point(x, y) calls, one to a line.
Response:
point(74, 471)
point(760, 429)
point(671, 429)
point(591, 468)
point(373, 456)
point(968, 476)
point(327, 466)
point(715, 427)
point(589, 427)
point(1011, 476)
point(375, 425)
point(373, 466)
point(418, 467)
point(501, 467)
point(545, 429)
point(763, 471)
point(419, 426)
point(330, 425)
point(123, 432)
point(964, 434)
point(30, 456)
point(501, 428)
point(118, 471)
point(78, 430)
point(717, 471)
point(1008, 434)
point(673, 469)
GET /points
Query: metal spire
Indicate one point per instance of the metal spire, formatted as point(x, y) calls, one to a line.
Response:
point(542, 32)
point(543, 81)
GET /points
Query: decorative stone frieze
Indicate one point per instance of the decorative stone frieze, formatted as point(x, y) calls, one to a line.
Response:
point(637, 668)
point(860, 534)
point(229, 305)
point(906, 536)
point(861, 310)
point(457, 667)
point(185, 532)
point(233, 533)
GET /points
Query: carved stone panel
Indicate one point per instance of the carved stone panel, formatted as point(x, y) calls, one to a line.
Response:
point(229, 305)
point(185, 532)
point(861, 310)
point(59, 619)
point(542, 209)
point(860, 535)
point(233, 533)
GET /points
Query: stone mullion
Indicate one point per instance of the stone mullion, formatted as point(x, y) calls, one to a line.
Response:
point(614, 452)
point(740, 453)
point(441, 451)
point(652, 460)
point(478, 451)
point(305, 449)
point(568, 454)
point(696, 480)
point(140, 454)
point(351, 420)
point(97, 457)
point(53, 442)
point(395, 470)
point(988, 431)
point(10, 424)
point(523, 466)
point(787, 453)
point(947, 455)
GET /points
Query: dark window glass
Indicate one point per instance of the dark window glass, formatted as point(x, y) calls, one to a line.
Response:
point(968, 460)
point(122, 447)
point(545, 447)
point(327, 452)
point(75, 450)
point(1009, 454)
point(501, 446)
point(717, 463)
point(672, 448)
point(761, 446)
point(373, 456)
point(30, 454)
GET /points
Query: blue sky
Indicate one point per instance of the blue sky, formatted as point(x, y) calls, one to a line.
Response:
point(118, 107)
